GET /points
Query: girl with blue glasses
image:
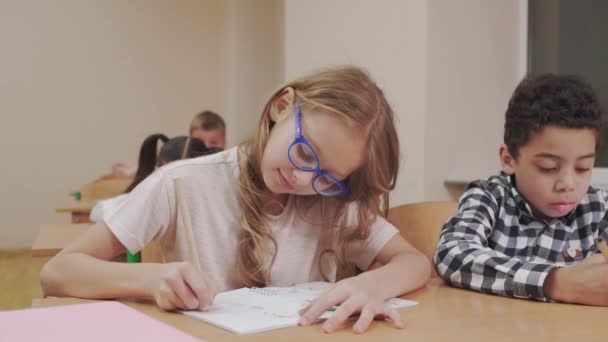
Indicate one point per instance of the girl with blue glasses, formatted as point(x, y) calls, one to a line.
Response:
point(289, 206)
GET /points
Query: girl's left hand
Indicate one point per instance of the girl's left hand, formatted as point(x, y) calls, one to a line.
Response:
point(352, 295)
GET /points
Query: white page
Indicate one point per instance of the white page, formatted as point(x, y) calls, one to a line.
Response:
point(251, 310)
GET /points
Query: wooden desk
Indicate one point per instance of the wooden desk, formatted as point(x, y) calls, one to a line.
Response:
point(443, 314)
point(52, 238)
point(103, 188)
point(79, 210)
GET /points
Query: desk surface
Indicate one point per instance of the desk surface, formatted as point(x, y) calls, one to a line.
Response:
point(73, 206)
point(443, 314)
point(52, 238)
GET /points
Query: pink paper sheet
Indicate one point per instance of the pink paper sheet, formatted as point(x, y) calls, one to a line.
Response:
point(95, 322)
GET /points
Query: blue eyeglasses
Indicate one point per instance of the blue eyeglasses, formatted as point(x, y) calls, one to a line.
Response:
point(303, 157)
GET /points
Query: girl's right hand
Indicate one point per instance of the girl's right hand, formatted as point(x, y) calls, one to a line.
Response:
point(182, 286)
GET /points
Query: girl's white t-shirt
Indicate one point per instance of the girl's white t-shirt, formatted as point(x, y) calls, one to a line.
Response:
point(102, 207)
point(210, 190)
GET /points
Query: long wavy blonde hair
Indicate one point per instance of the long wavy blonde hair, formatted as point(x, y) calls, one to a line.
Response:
point(349, 93)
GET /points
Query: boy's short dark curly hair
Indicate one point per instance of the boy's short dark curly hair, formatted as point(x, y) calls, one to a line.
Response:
point(550, 100)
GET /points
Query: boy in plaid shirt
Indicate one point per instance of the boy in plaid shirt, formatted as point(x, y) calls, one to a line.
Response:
point(530, 231)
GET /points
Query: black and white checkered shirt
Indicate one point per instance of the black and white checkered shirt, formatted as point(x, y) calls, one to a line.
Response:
point(494, 244)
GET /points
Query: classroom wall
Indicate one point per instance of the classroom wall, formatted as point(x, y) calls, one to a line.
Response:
point(388, 37)
point(476, 56)
point(253, 61)
point(83, 82)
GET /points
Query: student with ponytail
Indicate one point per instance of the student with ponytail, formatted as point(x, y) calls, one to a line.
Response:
point(180, 147)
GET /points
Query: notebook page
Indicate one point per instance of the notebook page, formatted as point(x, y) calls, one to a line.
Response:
point(251, 310)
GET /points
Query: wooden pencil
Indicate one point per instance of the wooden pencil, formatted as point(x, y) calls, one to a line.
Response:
point(601, 244)
point(185, 214)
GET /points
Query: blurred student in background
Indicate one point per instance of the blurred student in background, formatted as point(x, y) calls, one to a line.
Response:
point(181, 147)
point(207, 126)
point(210, 128)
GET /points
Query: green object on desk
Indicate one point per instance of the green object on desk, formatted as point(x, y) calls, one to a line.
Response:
point(133, 258)
point(77, 195)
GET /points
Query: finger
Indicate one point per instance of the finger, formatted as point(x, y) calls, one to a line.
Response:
point(183, 292)
point(394, 316)
point(166, 298)
point(366, 317)
point(175, 303)
point(213, 288)
point(321, 304)
point(302, 310)
point(199, 285)
point(343, 312)
point(163, 303)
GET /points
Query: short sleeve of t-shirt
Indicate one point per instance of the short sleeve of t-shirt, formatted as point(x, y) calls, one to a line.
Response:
point(145, 213)
point(103, 207)
point(363, 252)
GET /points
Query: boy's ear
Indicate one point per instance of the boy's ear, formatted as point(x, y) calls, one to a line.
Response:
point(281, 103)
point(506, 160)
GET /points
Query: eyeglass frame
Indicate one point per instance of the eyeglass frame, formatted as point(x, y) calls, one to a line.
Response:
point(301, 139)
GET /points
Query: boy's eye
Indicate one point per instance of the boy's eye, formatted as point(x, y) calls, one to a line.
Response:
point(547, 169)
point(582, 169)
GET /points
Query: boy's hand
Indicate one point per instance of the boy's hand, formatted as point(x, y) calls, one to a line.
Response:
point(583, 283)
point(353, 295)
point(181, 286)
point(595, 259)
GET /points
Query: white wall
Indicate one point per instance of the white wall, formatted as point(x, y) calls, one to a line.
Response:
point(475, 50)
point(83, 82)
point(253, 61)
point(388, 37)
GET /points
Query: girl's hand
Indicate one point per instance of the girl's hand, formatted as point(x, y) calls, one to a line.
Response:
point(182, 286)
point(353, 295)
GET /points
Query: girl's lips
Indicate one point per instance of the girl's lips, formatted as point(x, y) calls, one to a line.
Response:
point(284, 182)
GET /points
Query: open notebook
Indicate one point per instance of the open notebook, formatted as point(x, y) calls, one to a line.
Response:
point(94, 322)
point(251, 310)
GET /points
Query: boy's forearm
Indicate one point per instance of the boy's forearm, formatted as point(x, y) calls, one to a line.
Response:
point(472, 266)
point(404, 273)
point(553, 286)
point(81, 275)
point(581, 283)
